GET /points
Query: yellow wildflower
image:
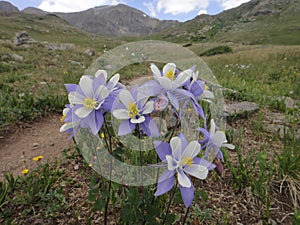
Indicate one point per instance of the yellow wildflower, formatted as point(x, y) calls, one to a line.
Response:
point(102, 135)
point(25, 171)
point(38, 158)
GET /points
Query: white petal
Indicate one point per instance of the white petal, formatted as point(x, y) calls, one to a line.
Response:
point(230, 146)
point(101, 93)
point(113, 81)
point(155, 71)
point(218, 138)
point(149, 107)
point(65, 111)
point(198, 171)
point(172, 164)
point(183, 179)
point(169, 67)
point(212, 127)
point(142, 98)
point(86, 85)
point(76, 98)
point(65, 127)
point(183, 77)
point(121, 114)
point(103, 72)
point(139, 120)
point(195, 75)
point(83, 112)
point(126, 97)
point(192, 150)
point(176, 146)
point(165, 82)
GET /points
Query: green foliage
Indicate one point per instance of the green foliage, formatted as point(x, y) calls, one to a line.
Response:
point(217, 50)
point(35, 192)
point(296, 220)
point(247, 77)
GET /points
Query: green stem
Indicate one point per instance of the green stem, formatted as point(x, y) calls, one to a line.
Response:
point(185, 216)
point(172, 194)
point(109, 146)
point(141, 170)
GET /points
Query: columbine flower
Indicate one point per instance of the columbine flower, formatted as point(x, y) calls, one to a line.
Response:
point(166, 82)
point(197, 90)
point(180, 157)
point(213, 141)
point(25, 171)
point(91, 99)
point(38, 158)
point(135, 108)
point(71, 121)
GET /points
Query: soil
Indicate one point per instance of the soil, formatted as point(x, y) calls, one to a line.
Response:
point(42, 137)
point(25, 141)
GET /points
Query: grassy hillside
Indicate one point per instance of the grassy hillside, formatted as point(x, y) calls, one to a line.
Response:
point(34, 84)
point(255, 22)
point(261, 180)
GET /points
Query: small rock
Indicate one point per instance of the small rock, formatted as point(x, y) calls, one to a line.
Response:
point(240, 109)
point(17, 57)
point(22, 38)
point(89, 52)
point(76, 167)
point(35, 146)
point(74, 62)
point(58, 46)
point(289, 103)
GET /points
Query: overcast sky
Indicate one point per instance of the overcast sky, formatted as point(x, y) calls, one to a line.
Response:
point(181, 10)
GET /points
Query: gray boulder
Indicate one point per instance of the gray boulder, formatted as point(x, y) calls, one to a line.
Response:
point(22, 38)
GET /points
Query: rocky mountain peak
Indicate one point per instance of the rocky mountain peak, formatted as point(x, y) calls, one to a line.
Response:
point(7, 7)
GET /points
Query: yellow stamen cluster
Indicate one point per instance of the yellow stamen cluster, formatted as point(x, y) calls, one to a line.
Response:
point(206, 87)
point(63, 117)
point(38, 158)
point(89, 103)
point(132, 110)
point(186, 161)
point(170, 74)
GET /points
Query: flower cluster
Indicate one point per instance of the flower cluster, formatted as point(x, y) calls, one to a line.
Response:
point(89, 101)
point(170, 89)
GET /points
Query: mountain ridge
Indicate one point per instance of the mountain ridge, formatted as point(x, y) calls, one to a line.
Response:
point(253, 22)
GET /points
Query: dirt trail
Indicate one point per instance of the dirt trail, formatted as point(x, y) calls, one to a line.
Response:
point(41, 137)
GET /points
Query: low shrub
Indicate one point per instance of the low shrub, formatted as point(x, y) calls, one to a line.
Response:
point(217, 50)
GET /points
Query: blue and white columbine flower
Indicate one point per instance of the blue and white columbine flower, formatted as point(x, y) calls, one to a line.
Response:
point(213, 141)
point(92, 98)
point(180, 158)
point(166, 82)
point(134, 109)
point(197, 90)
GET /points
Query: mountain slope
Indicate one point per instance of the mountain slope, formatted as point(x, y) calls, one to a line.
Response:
point(7, 7)
point(119, 20)
point(46, 28)
point(254, 22)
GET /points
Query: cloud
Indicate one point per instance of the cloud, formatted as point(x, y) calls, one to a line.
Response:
point(73, 6)
point(176, 7)
point(202, 11)
point(228, 4)
point(150, 6)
